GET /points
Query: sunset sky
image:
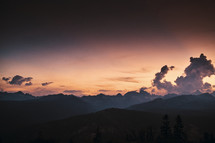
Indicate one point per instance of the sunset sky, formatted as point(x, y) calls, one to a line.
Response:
point(112, 47)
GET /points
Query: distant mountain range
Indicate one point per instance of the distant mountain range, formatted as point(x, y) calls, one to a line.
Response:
point(20, 109)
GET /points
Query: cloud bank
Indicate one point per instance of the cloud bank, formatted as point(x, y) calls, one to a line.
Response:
point(192, 80)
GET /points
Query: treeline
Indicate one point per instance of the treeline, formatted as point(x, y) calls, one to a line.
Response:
point(167, 134)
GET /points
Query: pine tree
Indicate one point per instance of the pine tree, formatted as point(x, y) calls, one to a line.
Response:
point(208, 138)
point(178, 132)
point(149, 135)
point(165, 129)
point(97, 138)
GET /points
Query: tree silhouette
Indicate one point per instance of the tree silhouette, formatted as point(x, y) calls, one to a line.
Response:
point(40, 139)
point(165, 131)
point(98, 136)
point(142, 135)
point(149, 135)
point(131, 137)
point(71, 141)
point(178, 131)
point(208, 138)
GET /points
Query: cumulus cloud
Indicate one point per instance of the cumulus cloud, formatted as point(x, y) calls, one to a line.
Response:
point(198, 69)
point(17, 80)
point(28, 84)
point(46, 83)
point(72, 91)
point(157, 81)
point(192, 80)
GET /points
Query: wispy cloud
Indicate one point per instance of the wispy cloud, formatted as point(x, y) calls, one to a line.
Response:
point(124, 79)
point(142, 70)
point(104, 90)
point(72, 91)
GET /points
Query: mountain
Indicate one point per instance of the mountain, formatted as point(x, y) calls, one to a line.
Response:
point(167, 96)
point(114, 125)
point(201, 102)
point(46, 108)
point(17, 96)
point(19, 109)
point(102, 101)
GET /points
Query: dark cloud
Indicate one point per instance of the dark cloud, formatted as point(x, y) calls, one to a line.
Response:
point(159, 76)
point(143, 88)
point(124, 79)
point(28, 84)
point(103, 90)
point(18, 80)
point(6, 79)
point(72, 91)
point(46, 83)
point(198, 69)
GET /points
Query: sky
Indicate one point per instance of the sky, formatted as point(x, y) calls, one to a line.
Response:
point(90, 47)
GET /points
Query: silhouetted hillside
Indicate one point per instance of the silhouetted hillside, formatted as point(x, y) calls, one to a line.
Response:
point(17, 96)
point(203, 102)
point(116, 125)
point(47, 108)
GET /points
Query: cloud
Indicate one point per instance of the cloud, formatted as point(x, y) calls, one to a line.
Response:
point(192, 80)
point(41, 91)
point(46, 83)
point(159, 76)
point(124, 79)
point(198, 69)
point(72, 91)
point(6, 79)
point(142, 70)
point(104, 90)
point(17, 80)
point(28, 84)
